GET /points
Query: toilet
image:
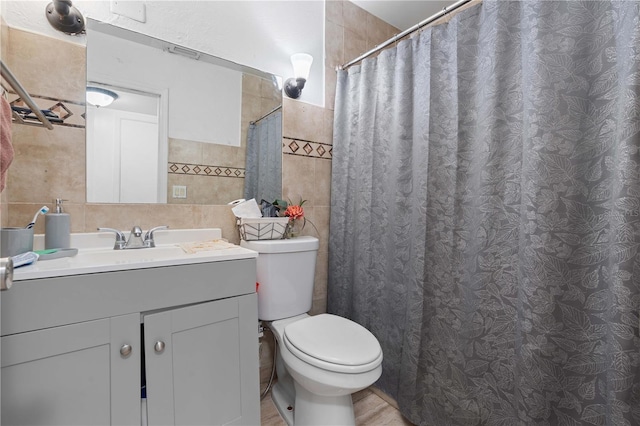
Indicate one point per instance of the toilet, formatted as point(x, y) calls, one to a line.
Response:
point(321, 360)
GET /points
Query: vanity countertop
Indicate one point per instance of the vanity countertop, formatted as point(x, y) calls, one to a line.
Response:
point(96, 254)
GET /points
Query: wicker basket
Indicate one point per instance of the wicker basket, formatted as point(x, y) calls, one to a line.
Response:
point(264, 228)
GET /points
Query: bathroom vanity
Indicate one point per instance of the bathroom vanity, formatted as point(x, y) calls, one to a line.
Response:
point(83, 338)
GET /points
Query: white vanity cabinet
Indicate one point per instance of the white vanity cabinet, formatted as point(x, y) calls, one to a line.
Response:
point(72, 375)
point(74, 348)
point(194, 359)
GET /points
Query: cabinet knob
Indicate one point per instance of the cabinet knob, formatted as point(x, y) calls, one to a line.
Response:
point(159, 347)
point(125, 350)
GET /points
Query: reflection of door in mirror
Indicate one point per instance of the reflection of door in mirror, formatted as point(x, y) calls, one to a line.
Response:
point(122, 160)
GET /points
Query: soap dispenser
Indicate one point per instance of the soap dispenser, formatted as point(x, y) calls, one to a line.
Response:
point(57, 228)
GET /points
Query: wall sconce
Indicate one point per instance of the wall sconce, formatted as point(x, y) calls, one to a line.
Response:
point(63, 16)
point(99, 97)
point(301, 67)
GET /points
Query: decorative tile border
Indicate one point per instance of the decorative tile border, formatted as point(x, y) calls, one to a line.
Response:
point(205, 170)
point(305, 148)
point(71, 113)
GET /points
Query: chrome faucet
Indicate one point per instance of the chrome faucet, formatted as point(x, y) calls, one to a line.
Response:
point(135, 240)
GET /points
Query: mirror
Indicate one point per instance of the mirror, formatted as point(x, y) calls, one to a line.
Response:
point(178, 128)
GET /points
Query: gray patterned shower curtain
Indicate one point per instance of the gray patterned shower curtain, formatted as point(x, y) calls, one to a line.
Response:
point(263, 168)
point(485, 214)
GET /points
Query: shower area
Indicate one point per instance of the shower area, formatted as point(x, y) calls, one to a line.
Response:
point(263, 176)
point(485, 214)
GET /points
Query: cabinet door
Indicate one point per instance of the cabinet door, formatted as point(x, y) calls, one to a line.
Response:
point(202, 364)
point(73, 375)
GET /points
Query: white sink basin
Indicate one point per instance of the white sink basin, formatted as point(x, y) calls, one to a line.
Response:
point(97, 257)
point(106, 256)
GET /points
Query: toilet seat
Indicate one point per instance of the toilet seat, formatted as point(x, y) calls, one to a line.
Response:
point(333, 343)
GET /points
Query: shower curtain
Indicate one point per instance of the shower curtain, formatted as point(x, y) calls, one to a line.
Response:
point(263, 172)
point(485, 214)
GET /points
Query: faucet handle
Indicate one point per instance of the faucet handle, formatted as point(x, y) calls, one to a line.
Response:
point(148, 237)
point(121, 240)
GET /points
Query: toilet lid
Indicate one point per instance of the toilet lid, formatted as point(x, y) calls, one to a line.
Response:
point(334, 343)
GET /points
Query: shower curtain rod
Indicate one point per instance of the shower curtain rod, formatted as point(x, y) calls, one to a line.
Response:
point(266, 115)
point(416, 27)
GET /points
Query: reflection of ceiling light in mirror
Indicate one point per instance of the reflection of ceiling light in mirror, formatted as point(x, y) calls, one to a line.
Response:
point(100, 97)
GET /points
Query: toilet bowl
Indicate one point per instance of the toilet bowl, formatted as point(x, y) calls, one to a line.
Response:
point(328, 358)
point(321, 360)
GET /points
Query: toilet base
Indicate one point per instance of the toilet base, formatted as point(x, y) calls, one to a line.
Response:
point(312, 410)
point(282, 400)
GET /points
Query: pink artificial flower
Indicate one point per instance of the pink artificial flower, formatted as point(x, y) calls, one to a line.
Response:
point(294, 212)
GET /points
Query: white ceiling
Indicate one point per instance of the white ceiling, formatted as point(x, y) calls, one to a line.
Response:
point(402, 14)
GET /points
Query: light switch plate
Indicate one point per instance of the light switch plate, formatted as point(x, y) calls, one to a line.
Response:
point(179, 191)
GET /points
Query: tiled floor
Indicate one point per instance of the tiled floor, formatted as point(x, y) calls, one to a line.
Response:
point(369, 408)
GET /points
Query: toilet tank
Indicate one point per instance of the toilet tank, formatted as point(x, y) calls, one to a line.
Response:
point(285, 272)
